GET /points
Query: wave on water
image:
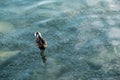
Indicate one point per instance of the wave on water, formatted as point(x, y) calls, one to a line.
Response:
point(82, 36)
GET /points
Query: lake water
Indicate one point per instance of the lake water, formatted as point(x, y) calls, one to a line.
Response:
point(82, 35)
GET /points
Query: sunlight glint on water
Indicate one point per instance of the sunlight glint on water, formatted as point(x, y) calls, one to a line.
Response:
point(82, 35)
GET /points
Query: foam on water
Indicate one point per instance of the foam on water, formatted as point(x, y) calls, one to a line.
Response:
point(82, 35)
point(114, 33)
point(92, 2)
point(5, 55)
point(39, 4)
point(6, 27)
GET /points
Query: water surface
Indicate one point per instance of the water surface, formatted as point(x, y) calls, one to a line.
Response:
point(82, 35)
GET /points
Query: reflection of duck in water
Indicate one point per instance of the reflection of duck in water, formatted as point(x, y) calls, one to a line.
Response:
point(41, 44)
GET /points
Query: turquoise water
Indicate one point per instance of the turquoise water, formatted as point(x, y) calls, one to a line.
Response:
point(82, 35)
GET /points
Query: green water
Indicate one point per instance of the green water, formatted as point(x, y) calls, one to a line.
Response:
point(82, 35)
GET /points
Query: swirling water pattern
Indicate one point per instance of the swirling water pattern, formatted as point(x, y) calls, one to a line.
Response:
point(82, 35)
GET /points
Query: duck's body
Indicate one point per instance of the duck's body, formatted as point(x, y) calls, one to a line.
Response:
point(40, 42)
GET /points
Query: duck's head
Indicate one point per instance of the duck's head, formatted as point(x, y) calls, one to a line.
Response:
point(36, 34)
